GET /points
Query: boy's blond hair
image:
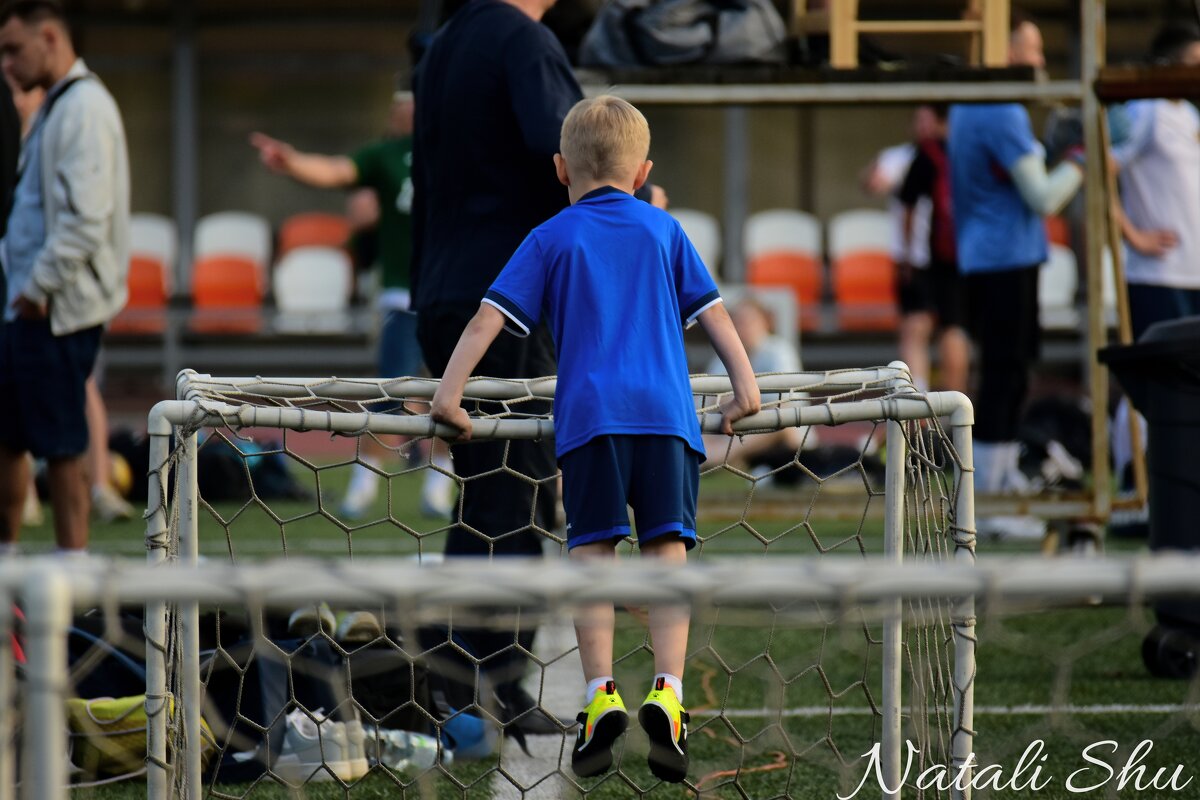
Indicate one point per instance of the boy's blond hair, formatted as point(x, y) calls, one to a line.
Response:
point(604, 136)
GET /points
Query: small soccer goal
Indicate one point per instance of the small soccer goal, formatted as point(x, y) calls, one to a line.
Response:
point(787, 694)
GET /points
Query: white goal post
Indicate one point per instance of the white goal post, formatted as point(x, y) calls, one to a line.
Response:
point(883, 395)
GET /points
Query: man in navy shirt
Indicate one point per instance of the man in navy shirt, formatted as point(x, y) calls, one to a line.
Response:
point(1001, 191)
point(618, 281)
point(491, 93)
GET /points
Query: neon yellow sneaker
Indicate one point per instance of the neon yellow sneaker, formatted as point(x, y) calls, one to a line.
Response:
point(600, 724)
point(666, 723)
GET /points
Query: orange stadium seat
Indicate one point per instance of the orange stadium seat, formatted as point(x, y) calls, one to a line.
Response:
point(227, 295)
point(864, 291)
point(312, 229)
point(145, 311)
point(800, 272)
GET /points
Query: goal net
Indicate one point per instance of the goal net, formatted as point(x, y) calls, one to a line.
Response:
point(787, 693)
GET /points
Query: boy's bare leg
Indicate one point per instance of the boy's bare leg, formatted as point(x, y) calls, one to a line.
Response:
point(668, 623)
point(594, 623)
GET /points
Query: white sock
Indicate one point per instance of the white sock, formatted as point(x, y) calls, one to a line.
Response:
point(674, 682)
point(597, 685)
point(70, 552)
point(362, 478)
point(438, 484)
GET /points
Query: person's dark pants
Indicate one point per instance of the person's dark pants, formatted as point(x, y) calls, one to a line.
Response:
point(502, 515)
point(1005, 326)
point(1150, 304)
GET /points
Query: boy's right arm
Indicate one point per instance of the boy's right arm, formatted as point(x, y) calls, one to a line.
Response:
point(481, 331)
point(746, 400)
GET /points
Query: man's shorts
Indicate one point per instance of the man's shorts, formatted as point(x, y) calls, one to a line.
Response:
point(42, 395)
point(936, 289)
point(658, 476)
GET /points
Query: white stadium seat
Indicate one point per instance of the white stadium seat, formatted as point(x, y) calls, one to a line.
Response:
point(863, 229)
point(312, 287)
point(234, 233)
point(705, 232)
point(782, 230)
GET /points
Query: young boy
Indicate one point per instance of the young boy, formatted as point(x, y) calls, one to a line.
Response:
point(618, 281)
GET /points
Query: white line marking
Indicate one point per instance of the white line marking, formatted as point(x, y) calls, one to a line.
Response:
point(1001, 711)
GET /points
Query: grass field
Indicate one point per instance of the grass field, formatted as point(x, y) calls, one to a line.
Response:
point(761, 695)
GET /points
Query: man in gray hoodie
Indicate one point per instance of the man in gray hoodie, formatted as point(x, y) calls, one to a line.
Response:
point(65, 258)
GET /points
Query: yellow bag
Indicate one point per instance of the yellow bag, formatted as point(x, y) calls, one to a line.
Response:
point(108, 735)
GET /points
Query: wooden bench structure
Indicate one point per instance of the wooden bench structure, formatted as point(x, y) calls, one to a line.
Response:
point(985, 21)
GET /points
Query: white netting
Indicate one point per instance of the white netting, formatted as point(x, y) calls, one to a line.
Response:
point(813, 473)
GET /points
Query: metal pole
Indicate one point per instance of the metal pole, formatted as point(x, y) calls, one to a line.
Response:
point(891, 735)
point(1097, 213)
point(158, 708)
point(189, 615)
point(185, 151)
point(48, 615)
point(737, 190)
point(962, 614)
point(8, 702)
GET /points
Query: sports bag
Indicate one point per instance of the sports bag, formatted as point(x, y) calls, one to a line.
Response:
point(672, 32)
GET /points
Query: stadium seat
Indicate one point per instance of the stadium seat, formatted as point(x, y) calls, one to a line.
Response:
point(705, 233)
point(227, 293)
point(783, 248)
point(155, 237)
point(1058, 231)
point(858, 230)
point(863, 273)
point(145, 311)
point(312, 229)
point(234, 233)
point(1058, 282)
point(864, 291)
point(312, 287)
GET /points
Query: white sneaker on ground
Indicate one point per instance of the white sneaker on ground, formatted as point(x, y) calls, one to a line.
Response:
point(314, 753)
point(405, 750)
point(108, 505)
point(1012, 528)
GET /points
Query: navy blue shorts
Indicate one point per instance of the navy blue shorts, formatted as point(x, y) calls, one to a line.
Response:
point(42, 395)
point(659, 476)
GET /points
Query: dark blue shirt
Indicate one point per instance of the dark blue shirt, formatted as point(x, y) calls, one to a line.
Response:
point(491, 94)
point(617, 280)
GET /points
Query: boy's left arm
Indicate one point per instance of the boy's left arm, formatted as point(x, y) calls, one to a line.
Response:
point(746, 400)
point(481, 331)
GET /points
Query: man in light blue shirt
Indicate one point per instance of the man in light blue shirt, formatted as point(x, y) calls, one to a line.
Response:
point(1001, 191)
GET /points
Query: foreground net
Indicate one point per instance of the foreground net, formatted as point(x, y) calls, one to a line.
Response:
point(1063, 706)
point(851, 462)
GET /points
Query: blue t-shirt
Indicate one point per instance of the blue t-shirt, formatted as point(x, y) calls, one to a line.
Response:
point(618, 281)
point(995, 229)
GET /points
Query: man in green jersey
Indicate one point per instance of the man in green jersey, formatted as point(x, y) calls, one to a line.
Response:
point(385, 168)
